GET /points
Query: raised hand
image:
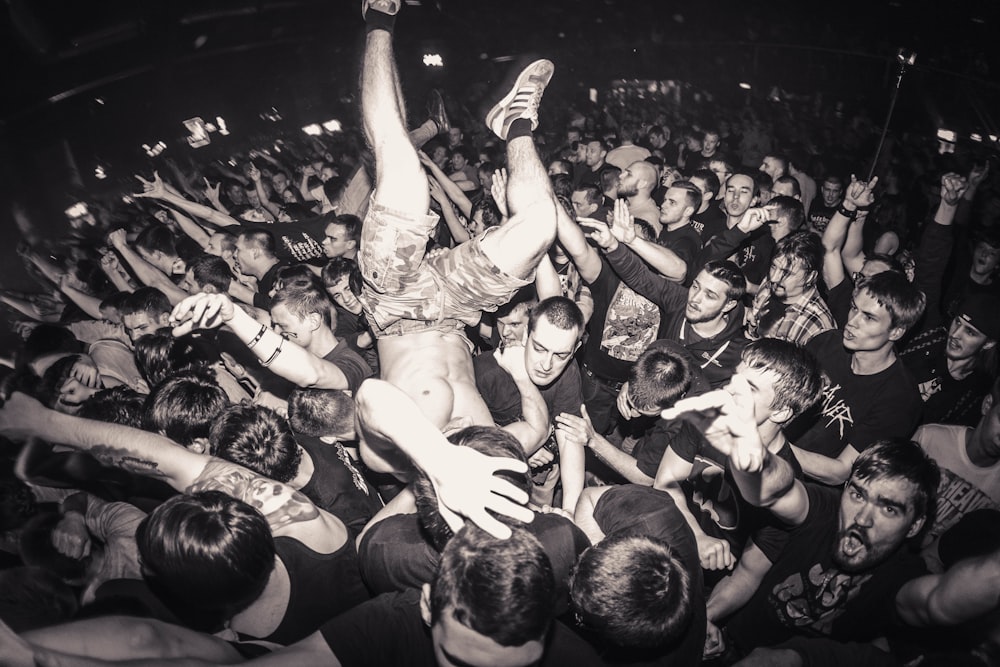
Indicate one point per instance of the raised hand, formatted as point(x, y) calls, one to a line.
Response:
point(498, 190)
point(253, 173)
point(212, 192)
point(153, 188)
point(953, 187)
point(859, 193)
point(754, 219)
point(600, 233)
point(714, 554)
point(977, 175)
point(71, 537)
point(576, 430)
point(85, 371)
point(118, 238)
point(622, 222)
point(437, 194)
point(201, 311)
point(511, 358)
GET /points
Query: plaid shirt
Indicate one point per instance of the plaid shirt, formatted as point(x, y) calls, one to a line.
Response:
point(802, 320)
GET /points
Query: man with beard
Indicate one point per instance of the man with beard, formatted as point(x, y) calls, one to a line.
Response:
point(636, 184)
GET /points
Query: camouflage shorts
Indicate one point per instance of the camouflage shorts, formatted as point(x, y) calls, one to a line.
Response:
point(404, 292)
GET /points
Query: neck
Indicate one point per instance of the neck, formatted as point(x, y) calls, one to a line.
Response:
point(960, 369)
point(638, 198)
point(772, 436)
point(980, 278)
point(977, 450)
point(323, 341)
point(711, 327)
point(305, 472)
point(679, 224)
point(871, 362)
point(263, 271)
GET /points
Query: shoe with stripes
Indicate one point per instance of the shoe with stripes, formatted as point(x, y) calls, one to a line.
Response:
point(523, 99)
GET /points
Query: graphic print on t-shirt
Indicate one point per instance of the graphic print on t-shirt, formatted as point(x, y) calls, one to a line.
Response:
point(711, 493)
point(630, 325)
point(817, 602)
point(835, 410)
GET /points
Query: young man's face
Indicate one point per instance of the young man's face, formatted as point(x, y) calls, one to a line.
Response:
point(761, 382)
point(594, 154)
point(548, 351)
point(710, 143)
point(789, 278)
point(297, 330)
point(964, 340)
point(583, 208)
point(336, 243)
point(511, 328)
point(721, 171)
point(869, 324)
point(985, 259)
point(832, 192)
point(739, 195)
point(342, 295)
point(707, 298)
point(674, 207)
point(138, 325)
point(989, 428)
point(876, 516)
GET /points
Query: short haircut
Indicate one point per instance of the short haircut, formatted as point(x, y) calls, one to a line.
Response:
point(710, 179)
point(489, 440)
point(562, 185)
point(752, 175)
point(790, 209)
point(227, 240)
point(115, 300)
point(207, 556)
point(564, 166)
point(763, 181)
point(258, 438)
point(781, 160)
point(159, 355)
point(628, 130)
point(904, 302)
point(296, 275)
point(351, 224)
point(906, 460)
point(304, 301)
point(792, 181)
point(632, 590)
point(148, 300)
point(156, 238)
point(692, 194)
point(608, 176)
point(727, 165)
point(560, 311)
point(799, 382)
point(211, 270)
point(890, 261)
point(464, 151)
point(320, 412)
point(834, 178)
point(261, 240)
point(729, 273)
point(337, 268)
point(120, 405)
point(803, 247)
point(591, 192)
point(492, 217)
point(658, 378)
point(503, 589)
point(711, 130)
point(184, 406)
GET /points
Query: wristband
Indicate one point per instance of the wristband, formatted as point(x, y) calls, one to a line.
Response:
point(256, 339)
point(847, 213)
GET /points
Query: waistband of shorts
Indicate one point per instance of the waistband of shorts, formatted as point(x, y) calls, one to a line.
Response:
point(599, 379)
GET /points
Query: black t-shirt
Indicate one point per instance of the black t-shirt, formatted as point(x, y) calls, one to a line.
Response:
point(855, 409)
point(389, 630)
point(337, 485)
point(805, 593)
point(504, 400)
point(819, 215)
point(298, 241)
point(262, 299)
point(686, 244)
point(710, 222)
point(643, 510)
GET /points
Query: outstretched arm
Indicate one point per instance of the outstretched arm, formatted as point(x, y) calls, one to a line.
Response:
point(146, 272)
point(156, 190)
point(533, 428)
point(968, 590)
point(586, 259)
point(396, 437)
point(295, 364)
point(664, 260)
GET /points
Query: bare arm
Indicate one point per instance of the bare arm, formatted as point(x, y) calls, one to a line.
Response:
point(533, 429)
point(730, 594)
point(146, 272)
point(87, 303)
point(455, 226)
point(448, 186)
point(968, 590)
point(271, 207)
point(833, 471)
point(584, 514)
point(587, 261)
point(156, 190)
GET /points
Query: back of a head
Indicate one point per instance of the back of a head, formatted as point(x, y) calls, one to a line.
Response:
point(799, 382)
point(503, 589)
point(632, 591)
point(258, 438)
point(710, 180)
point(157, 238)
point(120, 405)
point(788, 210)
point(658, 378)
point(206, 555)
point(489, 440)
point(320, 412)
point(211, 270)
point(147, 300)
point(159, 355)
point(184, 406)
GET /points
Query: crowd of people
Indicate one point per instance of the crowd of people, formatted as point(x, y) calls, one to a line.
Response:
point(602, 391)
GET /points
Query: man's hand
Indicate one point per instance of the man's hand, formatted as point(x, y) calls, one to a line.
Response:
point(212, 191)
point(622, 222)
point(498, 190)
point(953, 187)
point(437, 194)
point(118, 238)
point(576, 430)
point(153, 188)
point(253, 173)
point(201, 311)
point(753, 219)
point(860, 194)
point(540, 458)
point(600, 233)
point(86, 372)
point(511, 358)
point(714, 553)
point(20, 415)
point(977, 175)
point(468, 487)
point(625, 408)
point(715, 644)
point(71, 537)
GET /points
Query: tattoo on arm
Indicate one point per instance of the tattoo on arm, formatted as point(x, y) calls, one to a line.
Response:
point(125, 459)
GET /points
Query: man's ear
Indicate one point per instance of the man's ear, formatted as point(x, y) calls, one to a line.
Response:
point(199, 446)
point(689, 211)
point(314, 320)
point(209, 289)
point(915, 528)
point(425, 604)
point(782, 415)
point(987, 404)
point(896, 333)
point(729, 305)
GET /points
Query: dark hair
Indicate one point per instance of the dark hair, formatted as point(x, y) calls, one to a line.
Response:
point(904, 302)
point(790, 209)
point(148, 300)
point(658, 378)
point(351, 225)
point(752, 175)
point(560, 311)
point(691, 193)
point(562, 186)
point(258, 438)
point(35, 597)
point(17, 502)
point(120, 405)
point(789, 180)
point(211, 270)
point(302, 301)
point(35, 548)
point(115, 301)
point(799, 382)
point(55, 376)
point(261, 240)
point(206, 555)
point(804, 248)
point(729, 273)
point(337, 268)
point(159, 355)
point(464, 151)
point(489, 440)
point(889, 260)
point(608, 176)
point(320, 412)
point(906, 460)
point(592, 193)
point(711, 180)
point(184, 406)
point(491, 213)
point(156, 238)
point(632, 590)
point(503, 589)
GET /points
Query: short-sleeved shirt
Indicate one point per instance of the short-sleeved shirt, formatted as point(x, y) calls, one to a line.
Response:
point(354, 368)
point(685, 242)
point(709, 222)
point(504, 400)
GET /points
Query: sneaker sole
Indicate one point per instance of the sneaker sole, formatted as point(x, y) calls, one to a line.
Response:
point(542, 69)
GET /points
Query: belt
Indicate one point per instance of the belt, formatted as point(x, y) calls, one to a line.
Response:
point(614, 385)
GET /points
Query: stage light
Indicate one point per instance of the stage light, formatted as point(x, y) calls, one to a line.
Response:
point(332, 126)
point(313, 130)
point(433, 60)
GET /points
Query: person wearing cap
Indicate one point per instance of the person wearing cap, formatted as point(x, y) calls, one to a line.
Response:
point(953, 362)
